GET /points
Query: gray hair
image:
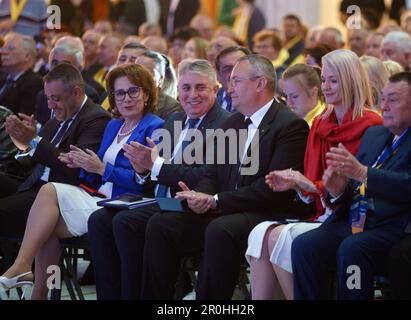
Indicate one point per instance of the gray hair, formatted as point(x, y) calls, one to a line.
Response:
point(401, 39)
point(261, 66)
point(200, 66)
point(27, 43)
point(67, 48)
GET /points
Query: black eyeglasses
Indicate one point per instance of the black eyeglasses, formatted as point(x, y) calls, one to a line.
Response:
point(120, 95)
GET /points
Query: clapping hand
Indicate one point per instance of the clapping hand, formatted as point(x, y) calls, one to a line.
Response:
point(342, 161)
point(197, 201)
point(284, 180)
point(87, 160)
point(141, 157)
point(334, 182)
point(21, 130)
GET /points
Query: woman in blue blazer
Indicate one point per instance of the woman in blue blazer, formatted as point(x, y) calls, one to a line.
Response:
point(62, 210)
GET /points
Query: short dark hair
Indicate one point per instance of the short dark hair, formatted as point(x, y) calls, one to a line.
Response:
point(402, 76)
point(318, 52)
point(68, 74)
point(293, 17)
point(227, 51)
point(137, 75)
point(184, 33)
point(134, 45)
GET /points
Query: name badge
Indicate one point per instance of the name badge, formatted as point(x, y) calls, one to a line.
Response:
point(358, 213)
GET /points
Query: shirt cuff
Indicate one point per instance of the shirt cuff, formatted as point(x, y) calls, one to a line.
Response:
point(155, 170)
point(31, 149)
point(141, 179)
point(305, 199)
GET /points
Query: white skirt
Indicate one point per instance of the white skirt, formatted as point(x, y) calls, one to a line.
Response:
point(281, 255)
point(76, 206)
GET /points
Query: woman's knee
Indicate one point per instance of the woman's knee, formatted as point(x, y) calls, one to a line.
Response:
point(272, 235)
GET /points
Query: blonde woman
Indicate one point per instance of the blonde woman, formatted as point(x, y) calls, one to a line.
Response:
point(344, 83)
point(195, 48)
point(378, 77)
point(301, 85)
point(393, 67)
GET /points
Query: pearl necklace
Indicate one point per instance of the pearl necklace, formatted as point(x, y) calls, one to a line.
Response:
point(127, 133)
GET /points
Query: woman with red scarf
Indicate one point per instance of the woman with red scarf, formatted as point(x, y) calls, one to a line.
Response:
point(347, 92)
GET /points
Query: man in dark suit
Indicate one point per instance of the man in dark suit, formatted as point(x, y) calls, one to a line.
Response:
point(19, 85)
point(117, 241)
point(372, 212)
point(177, 14)
point(224, 64)
point(78, 121)
point(67, 52)
point(275, 139)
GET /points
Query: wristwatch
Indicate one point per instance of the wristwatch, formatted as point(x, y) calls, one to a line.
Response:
point(216, 201)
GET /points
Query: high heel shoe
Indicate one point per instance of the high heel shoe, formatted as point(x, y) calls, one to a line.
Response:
point(10, 283)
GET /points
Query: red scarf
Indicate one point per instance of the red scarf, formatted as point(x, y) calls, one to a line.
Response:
point(327, 133)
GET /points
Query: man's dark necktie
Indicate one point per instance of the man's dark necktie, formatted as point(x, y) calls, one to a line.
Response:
point(39, 168)
point(228, 102)
point(162, 189)
point(237, 174)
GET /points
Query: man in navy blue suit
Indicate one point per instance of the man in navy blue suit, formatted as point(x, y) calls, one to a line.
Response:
point(372, 210)
point(224, 63)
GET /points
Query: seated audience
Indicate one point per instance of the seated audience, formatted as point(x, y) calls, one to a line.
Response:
point(372, 210)
point(224, 64)
point(344, 83)
point(62, 210)
point(239, 200)
point(91, 62)
point(331, 37)
point(392, 67)
point(373, 46)
point(293, 30)
point(248, 20)
point(397, 46)
point(195, 48)
point(218, 44)
point(357, 40)
point(9, 166)
point(204, 25)
point(378, 77)
point(315, 54)
point(156, 65)
point(19, 85)
point(155, 43)
point(117, 237)
point(301, 85)
point(78, 121)
point(177, 42)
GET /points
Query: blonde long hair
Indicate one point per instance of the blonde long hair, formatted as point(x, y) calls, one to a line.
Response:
point(353, 80)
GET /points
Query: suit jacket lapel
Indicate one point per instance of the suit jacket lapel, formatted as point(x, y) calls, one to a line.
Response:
point(403, 150)
point(76, 121)
point(267, 123)
point(375, 150)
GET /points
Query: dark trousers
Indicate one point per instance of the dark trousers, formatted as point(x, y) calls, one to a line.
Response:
point(317, 253)
point(222, 239)
point(117, 243)
point(15, 207)
point(400, 269)
point(14, 210)
point(8, 185)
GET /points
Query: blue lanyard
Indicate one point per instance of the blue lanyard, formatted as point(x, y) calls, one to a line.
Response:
point(389, 151)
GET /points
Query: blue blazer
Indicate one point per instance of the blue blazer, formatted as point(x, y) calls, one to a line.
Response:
point(390, 186)
point(122, 174)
